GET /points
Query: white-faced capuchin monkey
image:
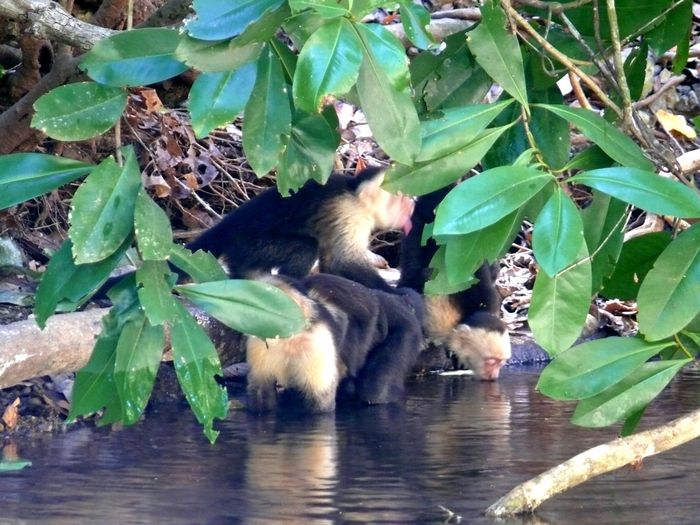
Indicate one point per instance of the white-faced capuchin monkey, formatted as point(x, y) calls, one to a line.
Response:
point(466, 322)
point(360, 344)
point(330, 223)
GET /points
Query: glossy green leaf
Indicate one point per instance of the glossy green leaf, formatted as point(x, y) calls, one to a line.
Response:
point(134, 58)
point(27, 175)
point(510, 146)
point(612, 141)
point(630, 424)
point(558, 233)
point(287, 57)
point(551, 133)
point(439, 284)
point(425, 177)
point(216, 98)
point(78, 111)
point(644, 189)
point(310, 153)
point(628, 396)
point(64, 280)
point(219, 19)
point(586, 370)
point(465, 253)
point(200, 265)
point(152, 227)
point(328, 64)
point(669, 297)
point(197, 366)
point(267, 118)
point(102, 210)
point(487, 197)
point(415, 20)
point(497, 51)
point(386, 51)
point(137, 359)
point(155, 282)
point(637, 257)
point(387, 109)
point(635, 70)
point(455, 128)
point(603, 228)
point(216, 56)
point(591, 158)
point(251, 307)
point(559, 305)
point(449, 78)
point(324, 8)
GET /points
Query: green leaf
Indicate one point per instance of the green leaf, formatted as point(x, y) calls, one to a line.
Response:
point(324, 8)
point(669, 297)
point(637, 257)
point(216, 56)
point(415, 20)
point(591, 158)
point(251, 307)
point(155, 283)
point(497, 51)
point(488, 197)
point(386, 50)
point(197, 365)
point(268, 118)
point(643, 189)
point(63, 279)
point(439, 284)
point(12, 465)
point(627, 397)
point(102, 210)
point(603, 228)
point(673, 28)
point(201, 266)
point(635, 70)
point(78, 111)
point(612, 141)
point(216, 98)
point(387, 108)
point(449, 78)
point(456, 128)
point(630, 424)
point(152, 228)
point(28, 175)
point(559, 305)
point(328, 64)
point(310, 153)
point(425, 177)
point(134, 58)
point(551, 133)
point(558, 233)
point(219, 19)
point(586, 370)
point(138, 356)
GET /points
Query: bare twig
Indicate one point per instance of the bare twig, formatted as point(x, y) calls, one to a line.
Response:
point(619, 68)
point(553, 7)
point(670, 83)
point(578, 92)
point(526, 497)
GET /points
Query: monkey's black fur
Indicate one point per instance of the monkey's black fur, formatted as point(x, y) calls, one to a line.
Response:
point(376, 336)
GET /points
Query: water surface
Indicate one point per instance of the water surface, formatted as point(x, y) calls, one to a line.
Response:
point(457, 444)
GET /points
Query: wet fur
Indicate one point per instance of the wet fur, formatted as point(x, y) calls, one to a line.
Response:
point(466, 322)
point(360, 344)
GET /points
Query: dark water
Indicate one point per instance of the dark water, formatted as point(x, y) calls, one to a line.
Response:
point(457, 443)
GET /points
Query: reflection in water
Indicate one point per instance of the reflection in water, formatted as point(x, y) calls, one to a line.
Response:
point(457, 443)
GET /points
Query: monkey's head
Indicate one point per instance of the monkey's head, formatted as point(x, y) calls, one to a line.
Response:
point(482, 345)
point(388, 211)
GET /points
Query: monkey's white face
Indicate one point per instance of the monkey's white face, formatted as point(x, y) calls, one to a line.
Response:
point(389, 211)
point(481, 350)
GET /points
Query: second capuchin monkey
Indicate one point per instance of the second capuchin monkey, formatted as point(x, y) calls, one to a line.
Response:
point(326, 223)
point(466, 323)
point(360, 344)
